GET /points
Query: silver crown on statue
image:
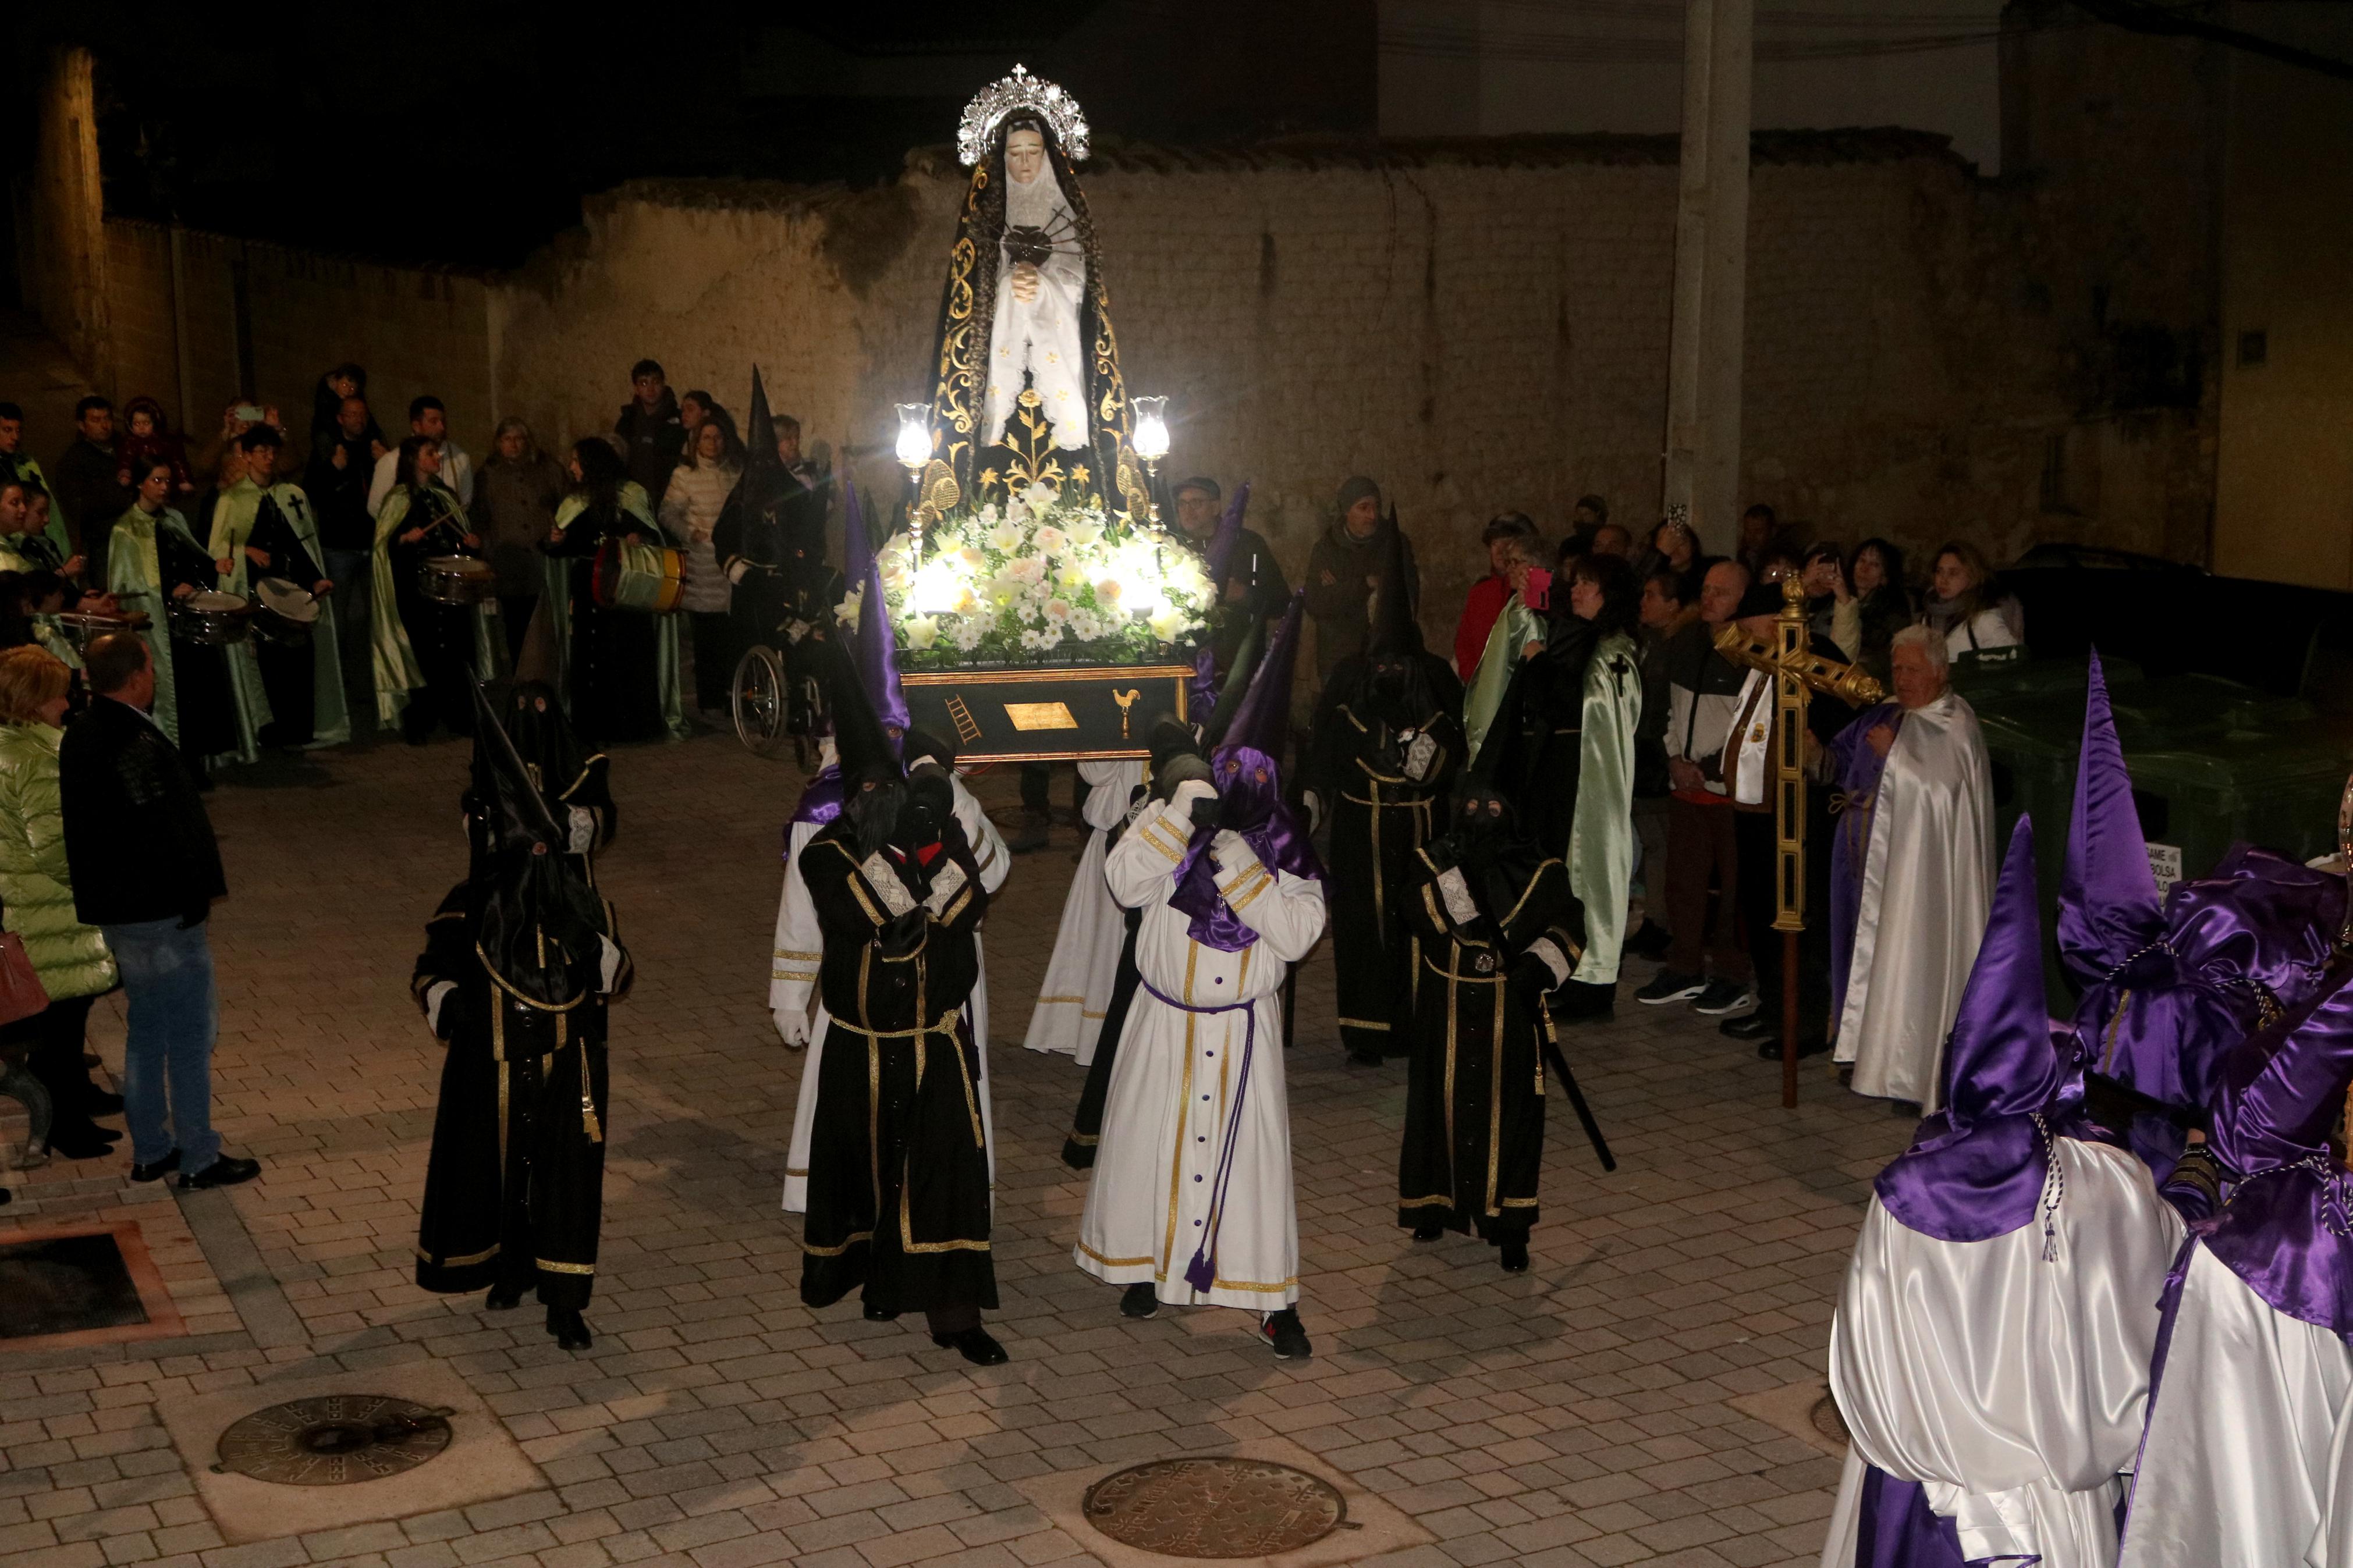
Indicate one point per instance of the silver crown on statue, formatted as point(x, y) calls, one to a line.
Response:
point(1021, 90)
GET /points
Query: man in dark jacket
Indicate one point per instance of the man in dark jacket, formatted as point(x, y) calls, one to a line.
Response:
point(1345, 567)
point(652, 435)
point(1253, 590)
point(145, 871)
point(89, 488)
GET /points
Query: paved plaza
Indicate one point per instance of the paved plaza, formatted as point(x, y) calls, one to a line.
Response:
point(1579, 1413)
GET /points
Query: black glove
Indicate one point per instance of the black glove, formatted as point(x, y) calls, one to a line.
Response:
point(1533, 974)
point(1207, 813)
point(904, 934)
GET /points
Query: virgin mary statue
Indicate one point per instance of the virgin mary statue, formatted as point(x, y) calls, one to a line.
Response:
point(1027, 388)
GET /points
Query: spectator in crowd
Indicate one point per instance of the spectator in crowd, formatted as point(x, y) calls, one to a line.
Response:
point(652, 433)
point(805, 504)
point(1585, 522)
point(217, 452)
point(342, 458)
point(1707, 963)
point(1610, 539)
point(16, 463)
point(1343, 570)
point(1760, 535)
point(1965, 608)
point(36, 893)
point(698, 492)
point(148, 433)
point(621, 669)
point(1485, 600)
point(145, 870)
point(337, 388)
point(1671, 630)
point(429, 418)
point(88, 486)
point(1674, 543)
point(693, 409)
point(515, 509)
point(1875, 572)
point(1253, 589)
point(1835, 614)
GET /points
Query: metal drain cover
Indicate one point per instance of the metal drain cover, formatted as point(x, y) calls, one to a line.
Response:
point(1829, 1422)
point(1214, 1508)
point(335, 1440)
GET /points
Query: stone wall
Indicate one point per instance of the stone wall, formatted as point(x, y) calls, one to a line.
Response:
point(1479, 324)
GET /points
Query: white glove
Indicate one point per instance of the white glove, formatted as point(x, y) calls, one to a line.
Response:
point(1314, 812)
point(1231, 851)
point(735, 570)
point(793, 1024)
point(434, 996)
point(609, 961)
point(1181, 803)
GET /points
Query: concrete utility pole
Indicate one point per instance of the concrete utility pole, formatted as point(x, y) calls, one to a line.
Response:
point(1703, 352)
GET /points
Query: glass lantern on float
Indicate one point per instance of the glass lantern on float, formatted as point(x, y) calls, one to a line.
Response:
point(914, 450)
point(1149, 437)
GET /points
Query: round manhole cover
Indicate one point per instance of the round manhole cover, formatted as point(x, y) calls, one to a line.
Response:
point(1214, 1508)
point(1829, 1423)
point(335, 1440)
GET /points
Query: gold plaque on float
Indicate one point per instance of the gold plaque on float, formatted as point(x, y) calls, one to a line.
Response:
point(1028, 716)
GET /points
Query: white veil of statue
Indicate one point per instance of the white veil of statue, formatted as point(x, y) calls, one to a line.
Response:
point(1044, 273)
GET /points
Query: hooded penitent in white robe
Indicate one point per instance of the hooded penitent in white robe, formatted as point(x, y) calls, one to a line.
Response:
point(1927, 882)
point(1086, 962)
point(791, 982)
point(2012, 1387)
point(1172, 1104)
point(1040, 336)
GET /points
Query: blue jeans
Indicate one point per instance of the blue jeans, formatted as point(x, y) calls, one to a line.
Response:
point(167, 1065)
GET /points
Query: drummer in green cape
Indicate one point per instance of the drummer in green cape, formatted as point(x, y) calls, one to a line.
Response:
point(619, 668)
point(427, 654)
point(153, 558)
point(263, 532)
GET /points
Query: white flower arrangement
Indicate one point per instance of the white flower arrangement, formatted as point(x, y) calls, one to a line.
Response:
point(1033, 580)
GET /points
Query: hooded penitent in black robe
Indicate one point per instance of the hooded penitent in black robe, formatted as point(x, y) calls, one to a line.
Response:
point(518, 966)
point(1497, 928)
point(1387, 742)
point(898, 1185)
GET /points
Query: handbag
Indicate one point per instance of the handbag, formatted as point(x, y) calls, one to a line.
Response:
point(21, 992)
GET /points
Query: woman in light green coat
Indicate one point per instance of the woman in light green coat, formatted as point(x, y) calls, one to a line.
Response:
point(36, 890)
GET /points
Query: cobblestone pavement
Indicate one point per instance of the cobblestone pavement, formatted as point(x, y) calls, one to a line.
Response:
point(1574, 1415)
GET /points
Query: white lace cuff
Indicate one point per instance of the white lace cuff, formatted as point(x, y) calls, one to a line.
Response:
point(1461, 907)
point(880, 877)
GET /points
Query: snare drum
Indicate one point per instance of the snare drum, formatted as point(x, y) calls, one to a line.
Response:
point(216, 620)
point(80, 630)
point(283, 614)
point(647, 577)
point(456, 580)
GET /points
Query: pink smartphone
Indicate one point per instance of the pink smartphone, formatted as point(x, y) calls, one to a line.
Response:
point(1537, 595)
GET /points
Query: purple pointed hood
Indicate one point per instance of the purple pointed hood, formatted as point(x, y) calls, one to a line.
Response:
point(2108, 907)
point(874, 648)
point(2284, 1230)
point(1976, 1169)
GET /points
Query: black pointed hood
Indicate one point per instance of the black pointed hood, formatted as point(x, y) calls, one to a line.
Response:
point(1247, 654)
point(540, 918)
point(860, 742)
point(1394, 632)
point(759, 430)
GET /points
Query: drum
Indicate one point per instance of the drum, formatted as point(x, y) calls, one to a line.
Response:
point(456, 580)
point(647, 577)
point(81, 630)
point(216, 620)
point(283, 614)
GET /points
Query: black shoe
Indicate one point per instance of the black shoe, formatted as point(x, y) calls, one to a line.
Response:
point(1515, 1255)
point(99, 1103)
point(569, 1329)
point(1139, 1300)
point(1769, 1047)
point(1672, 985)
point(1286, 1334)
point(1582, 1002)
point(1718, 997)
point(975, 1344)
point(1753, 1025)
point(1362, 1057)
point(161, 1167)
point(875, 1314)
point(80, 1140)
point(1035, 831)
point(504, 1299)
point(1428, 1232)
point(1650, 941)
point(225, 1171)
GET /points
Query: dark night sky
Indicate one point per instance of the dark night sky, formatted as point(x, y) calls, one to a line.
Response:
point(471, 137)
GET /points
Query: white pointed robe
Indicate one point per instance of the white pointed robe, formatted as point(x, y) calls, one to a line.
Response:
point(793, 981)
point(1086, 962)
point(2243, 1466)
point(2010, 1386)
point(1171, 1102)
point(1927, 889)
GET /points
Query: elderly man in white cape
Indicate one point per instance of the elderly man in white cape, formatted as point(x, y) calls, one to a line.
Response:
point(1912, 867)
point(1991, 1350)
point(1192, 1201)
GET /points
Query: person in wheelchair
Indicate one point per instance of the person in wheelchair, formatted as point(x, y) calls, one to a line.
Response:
point(770, 541)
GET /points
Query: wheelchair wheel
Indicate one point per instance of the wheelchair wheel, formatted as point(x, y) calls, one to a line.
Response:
point(759, 701)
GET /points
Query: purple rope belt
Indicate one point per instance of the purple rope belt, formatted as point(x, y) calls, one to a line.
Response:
point(1203, 1270)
